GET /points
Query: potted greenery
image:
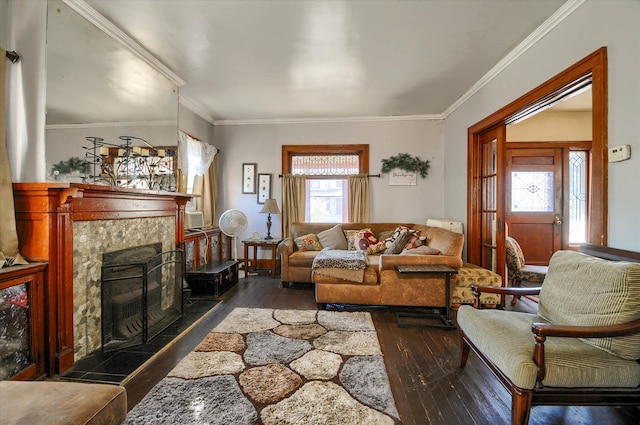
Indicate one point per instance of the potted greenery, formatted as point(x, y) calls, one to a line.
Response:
point(406, 162)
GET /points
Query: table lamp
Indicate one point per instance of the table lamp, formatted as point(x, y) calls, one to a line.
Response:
point(270, 207)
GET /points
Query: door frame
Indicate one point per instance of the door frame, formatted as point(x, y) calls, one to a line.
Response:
point(592, 67)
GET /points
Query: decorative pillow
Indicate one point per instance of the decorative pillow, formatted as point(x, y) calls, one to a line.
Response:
point(399, 231)
point(350, 236)
point(365, 240)
point(384, 235)
point(398, 244)
point(333, 238)
point(308, 242)
point(421, 250)
point(416, 241)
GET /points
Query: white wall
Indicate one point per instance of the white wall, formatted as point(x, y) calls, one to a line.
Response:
point(196, 126)
point(262, 144)
point(594, 24)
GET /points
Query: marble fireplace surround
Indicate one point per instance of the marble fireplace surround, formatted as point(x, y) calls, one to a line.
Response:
point(91, 239)
point(70, 225)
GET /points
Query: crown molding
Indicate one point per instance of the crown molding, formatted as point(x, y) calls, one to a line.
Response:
point(111, 124)
point(197, 109)
point(545, 28)
point(430, 117)
point(123, 39)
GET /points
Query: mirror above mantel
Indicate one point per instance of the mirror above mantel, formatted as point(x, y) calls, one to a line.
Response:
point(99, 89)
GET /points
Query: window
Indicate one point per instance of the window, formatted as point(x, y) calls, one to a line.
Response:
point(326, 168)
point(578, 196)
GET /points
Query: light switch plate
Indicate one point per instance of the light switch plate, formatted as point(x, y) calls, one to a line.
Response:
point(619, 153)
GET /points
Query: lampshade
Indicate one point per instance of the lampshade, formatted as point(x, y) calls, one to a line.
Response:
point(270, 207)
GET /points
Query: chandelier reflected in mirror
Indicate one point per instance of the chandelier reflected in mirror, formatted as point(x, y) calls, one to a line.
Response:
point(130, 165)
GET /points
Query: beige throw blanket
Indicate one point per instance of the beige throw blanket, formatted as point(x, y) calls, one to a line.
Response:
point(341, 264)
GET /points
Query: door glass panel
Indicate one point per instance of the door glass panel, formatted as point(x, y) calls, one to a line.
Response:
point(489, 195)
point(489, 158)
point(578, 217)
point(532, 191)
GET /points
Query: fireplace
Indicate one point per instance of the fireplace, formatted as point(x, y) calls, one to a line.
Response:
point(141, 292)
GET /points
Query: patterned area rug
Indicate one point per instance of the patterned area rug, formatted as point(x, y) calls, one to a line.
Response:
point(264, 366)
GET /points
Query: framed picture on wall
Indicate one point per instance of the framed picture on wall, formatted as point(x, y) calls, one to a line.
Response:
point(249, 177)
point(264, 187)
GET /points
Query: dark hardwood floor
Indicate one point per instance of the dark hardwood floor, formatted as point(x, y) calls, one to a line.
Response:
point(428, 385)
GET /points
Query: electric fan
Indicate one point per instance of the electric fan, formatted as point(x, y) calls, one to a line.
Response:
point(233, 223)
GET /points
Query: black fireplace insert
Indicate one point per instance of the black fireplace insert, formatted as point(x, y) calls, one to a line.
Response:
point(141, 294)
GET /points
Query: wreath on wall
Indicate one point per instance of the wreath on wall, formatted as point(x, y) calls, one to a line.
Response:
point(70, 165)
point(406, 162)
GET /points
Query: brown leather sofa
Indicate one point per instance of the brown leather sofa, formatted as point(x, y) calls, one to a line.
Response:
point(382, 284)
point(59, 402)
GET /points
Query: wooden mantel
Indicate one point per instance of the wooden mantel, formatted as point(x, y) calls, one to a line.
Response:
point(45, 213)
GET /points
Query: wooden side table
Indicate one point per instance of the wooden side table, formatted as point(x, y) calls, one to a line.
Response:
point(445, 318)
point(261, 243)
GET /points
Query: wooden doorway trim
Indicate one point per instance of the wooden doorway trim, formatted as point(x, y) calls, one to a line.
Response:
point(593, 66)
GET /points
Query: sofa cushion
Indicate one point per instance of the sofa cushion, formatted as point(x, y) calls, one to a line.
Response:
point(308, 242)
point(366, 241)
point(333, 238)
point(302, 258)
point(582, 290)
point(421, 250)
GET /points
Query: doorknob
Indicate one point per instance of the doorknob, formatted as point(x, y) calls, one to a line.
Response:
point(557, 219)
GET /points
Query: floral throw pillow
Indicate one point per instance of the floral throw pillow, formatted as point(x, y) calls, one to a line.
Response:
point(308, 242)
point(366, 241)
point(350, 235)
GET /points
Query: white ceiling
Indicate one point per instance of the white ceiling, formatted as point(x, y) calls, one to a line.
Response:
point(271, 60)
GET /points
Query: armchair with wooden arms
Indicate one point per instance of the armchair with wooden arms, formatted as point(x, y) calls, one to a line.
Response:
point(583, 345)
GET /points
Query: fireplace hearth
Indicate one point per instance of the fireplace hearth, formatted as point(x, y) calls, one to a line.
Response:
point(141, 294)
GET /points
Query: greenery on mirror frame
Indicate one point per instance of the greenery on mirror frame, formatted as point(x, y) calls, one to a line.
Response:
point(406, 162)
point(70, 165)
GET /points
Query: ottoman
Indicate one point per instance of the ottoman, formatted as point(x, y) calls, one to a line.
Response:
point(470, 274)
point(56, 402)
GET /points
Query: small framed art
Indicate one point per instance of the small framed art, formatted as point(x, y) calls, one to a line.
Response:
point(249, 177)
point(264, 187)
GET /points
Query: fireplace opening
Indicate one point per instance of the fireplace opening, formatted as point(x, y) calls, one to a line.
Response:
point(141, 294)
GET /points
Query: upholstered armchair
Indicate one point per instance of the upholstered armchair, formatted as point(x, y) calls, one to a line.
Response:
point(583, 345)
point(519, 271)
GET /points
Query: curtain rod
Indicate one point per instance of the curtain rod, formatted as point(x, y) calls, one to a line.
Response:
point(12, 56)
point(368, 175)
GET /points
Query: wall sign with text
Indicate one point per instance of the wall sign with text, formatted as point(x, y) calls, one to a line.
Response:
point(398, 177)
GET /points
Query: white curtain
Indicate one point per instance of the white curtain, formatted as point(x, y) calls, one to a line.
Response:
point(9, 253)
point(196, 159)
point(194, 156)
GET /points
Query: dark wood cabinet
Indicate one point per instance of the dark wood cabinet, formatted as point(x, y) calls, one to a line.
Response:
point(203, 246)
point(22, 348)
